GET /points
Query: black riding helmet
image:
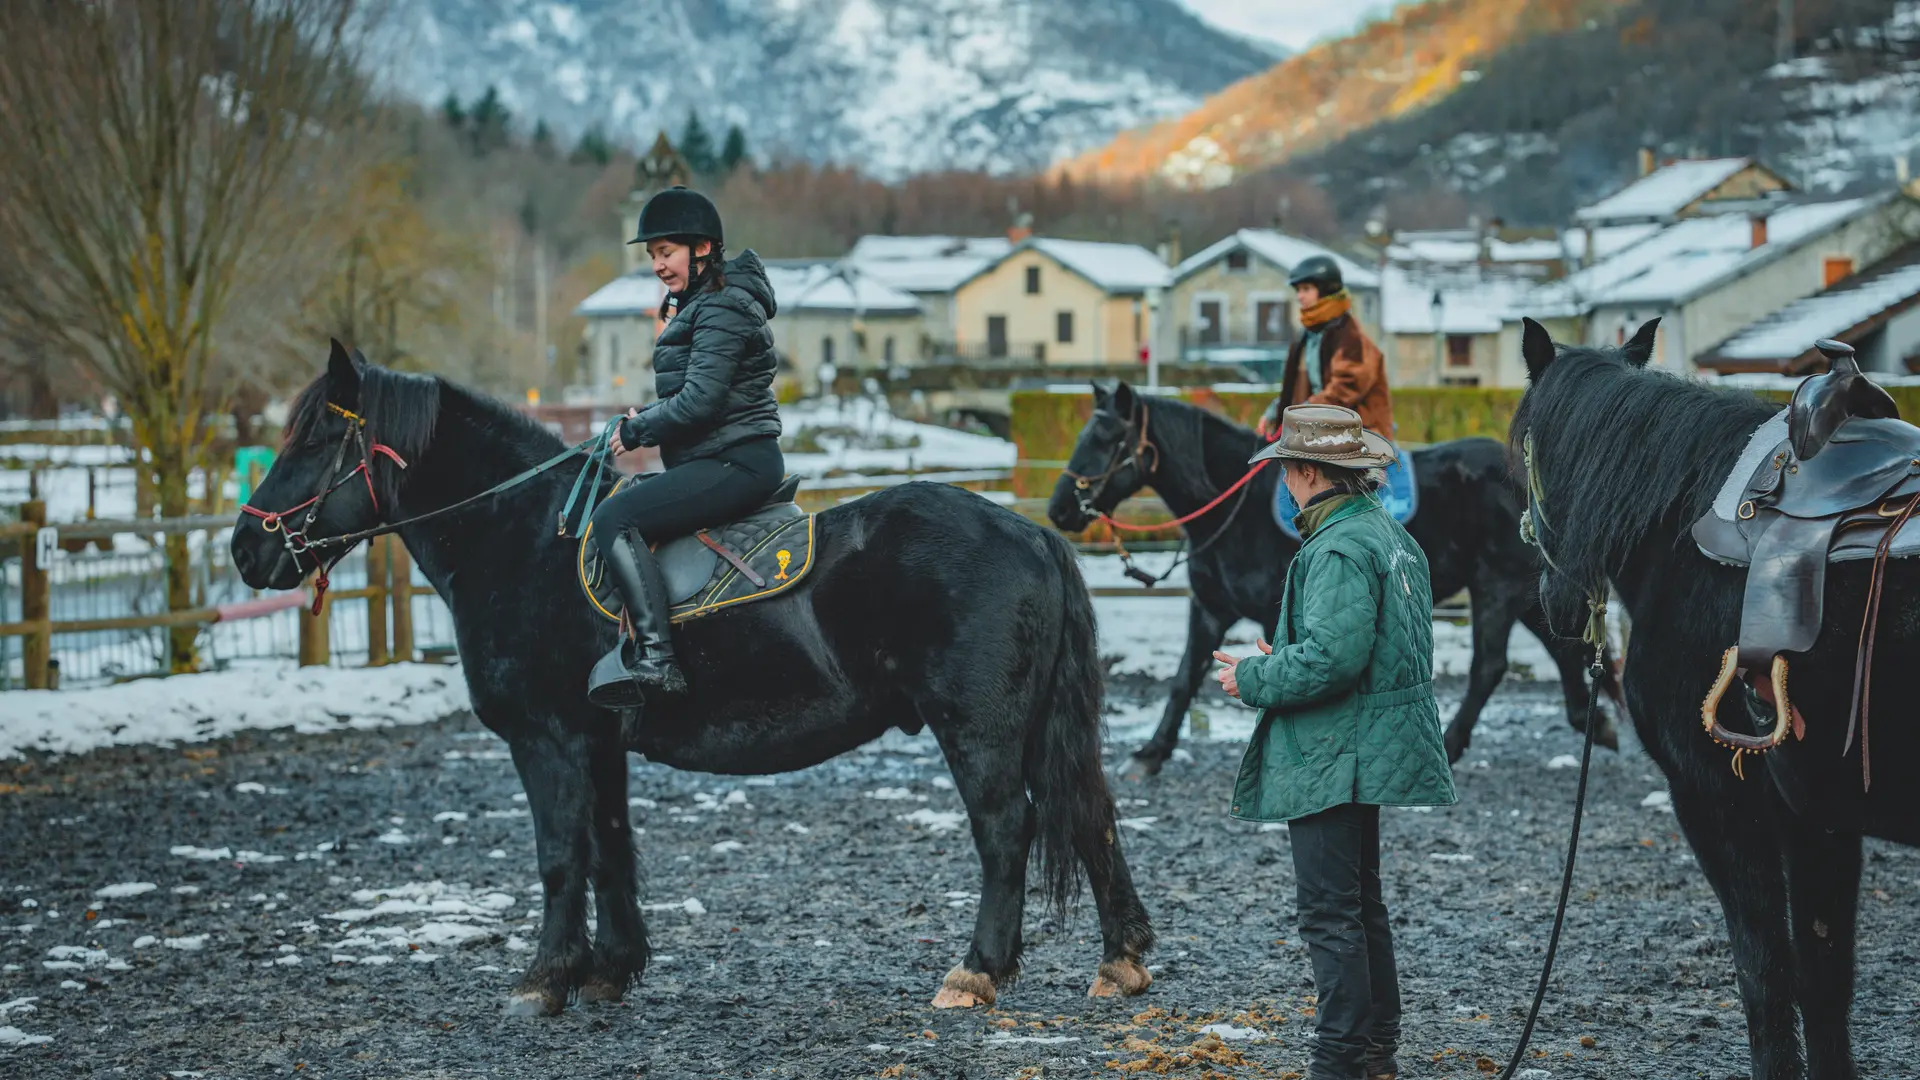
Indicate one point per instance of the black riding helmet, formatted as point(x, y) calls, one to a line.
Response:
point(678, 212)
point(1320, 271)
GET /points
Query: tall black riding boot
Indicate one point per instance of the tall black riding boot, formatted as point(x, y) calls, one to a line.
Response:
point(643, 664)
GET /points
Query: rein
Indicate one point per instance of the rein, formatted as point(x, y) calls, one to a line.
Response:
point(1532, 523)
point(299, 544)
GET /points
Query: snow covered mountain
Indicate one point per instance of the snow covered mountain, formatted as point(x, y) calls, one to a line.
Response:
point(893, 86)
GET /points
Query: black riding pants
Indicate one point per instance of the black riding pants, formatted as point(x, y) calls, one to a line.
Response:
point(1343, 920)
point(693, 495)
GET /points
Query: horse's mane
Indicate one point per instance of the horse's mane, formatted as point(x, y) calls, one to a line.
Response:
point(1622, 450)
point(1192, 424)
point(404, 411)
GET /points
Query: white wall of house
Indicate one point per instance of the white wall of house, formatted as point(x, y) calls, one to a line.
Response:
point(1886, 350)
point(620, 357)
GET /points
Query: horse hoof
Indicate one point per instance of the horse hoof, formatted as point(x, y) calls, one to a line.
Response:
point(1127, 978)
point(1142, 768)
point(598, 991)
point(963, 989)
point(1608, 736)
point(531, 1003)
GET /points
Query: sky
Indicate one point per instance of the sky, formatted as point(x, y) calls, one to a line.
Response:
point(1293, 23)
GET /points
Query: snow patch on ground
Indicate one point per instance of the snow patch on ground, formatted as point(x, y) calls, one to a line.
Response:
point(196, 708)
point(935, 820)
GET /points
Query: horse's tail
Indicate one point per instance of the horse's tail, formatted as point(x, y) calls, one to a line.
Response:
point(1063, 767)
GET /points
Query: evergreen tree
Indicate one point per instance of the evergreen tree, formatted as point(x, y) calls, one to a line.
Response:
point(455, 114)
point(696, 146)
point(489, 123)
point(543, 147)
point(592, 147)
point(734, 150)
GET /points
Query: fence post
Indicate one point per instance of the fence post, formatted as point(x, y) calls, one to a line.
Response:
point(401, 593)
point(36, 648)
point(315, 648)
point(377, 600)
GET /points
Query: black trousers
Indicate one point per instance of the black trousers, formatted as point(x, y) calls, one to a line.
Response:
point(1343, 920)
point(693, 495)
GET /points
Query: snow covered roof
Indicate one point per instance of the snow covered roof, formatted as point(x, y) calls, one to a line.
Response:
point(841, 288)
point(1463, 246)
point(1790, 332)
point(1281, 250)
point(1664, 192)
point(629, 294)
point(797, 286)
point(1692, 256)
point(1471, 301)
point(926, 264)
point(1115, 268)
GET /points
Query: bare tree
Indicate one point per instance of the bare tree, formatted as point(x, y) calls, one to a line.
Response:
point(162, 155)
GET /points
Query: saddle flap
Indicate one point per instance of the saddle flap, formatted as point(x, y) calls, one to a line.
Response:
point(1786, 587)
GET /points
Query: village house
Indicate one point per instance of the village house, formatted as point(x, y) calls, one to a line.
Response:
point(1230, 302)
point(930, 268)
point(1877, 311)
point(1059, 302)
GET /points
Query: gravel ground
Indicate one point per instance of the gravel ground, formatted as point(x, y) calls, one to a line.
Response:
point(357, 905)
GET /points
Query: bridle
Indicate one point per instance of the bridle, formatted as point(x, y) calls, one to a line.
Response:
point(585, 491)
point(295, 540)
point(1129, 452)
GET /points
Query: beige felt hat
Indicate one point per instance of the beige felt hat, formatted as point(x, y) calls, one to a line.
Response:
point(1327, 433)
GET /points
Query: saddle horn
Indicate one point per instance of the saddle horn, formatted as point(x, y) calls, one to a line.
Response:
point(1822, 403)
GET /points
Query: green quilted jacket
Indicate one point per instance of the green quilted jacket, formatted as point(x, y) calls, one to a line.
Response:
point(1348, 689)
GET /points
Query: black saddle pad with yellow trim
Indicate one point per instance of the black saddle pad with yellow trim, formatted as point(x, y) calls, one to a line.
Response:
point(774, 543)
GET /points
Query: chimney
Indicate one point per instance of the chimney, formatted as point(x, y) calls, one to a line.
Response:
point(1646, 161)
point(1021, 228)
point(1173, 246)
point(1759, 223)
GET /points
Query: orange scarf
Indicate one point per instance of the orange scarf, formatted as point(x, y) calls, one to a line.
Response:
point(1325, 310)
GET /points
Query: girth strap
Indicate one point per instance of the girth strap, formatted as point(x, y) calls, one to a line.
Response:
point(735, 561)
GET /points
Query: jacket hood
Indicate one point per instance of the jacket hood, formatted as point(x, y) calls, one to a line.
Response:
point(748, 275)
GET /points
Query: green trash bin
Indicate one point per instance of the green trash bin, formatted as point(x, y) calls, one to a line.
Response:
point(250, 465)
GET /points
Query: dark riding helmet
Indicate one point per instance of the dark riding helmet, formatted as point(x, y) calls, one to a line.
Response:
point(678, 212)
point(1320, 271)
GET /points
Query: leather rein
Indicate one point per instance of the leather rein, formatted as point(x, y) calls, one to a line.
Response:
point(298, 544)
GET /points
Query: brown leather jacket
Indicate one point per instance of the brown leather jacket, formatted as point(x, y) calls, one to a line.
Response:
point(1352, 373)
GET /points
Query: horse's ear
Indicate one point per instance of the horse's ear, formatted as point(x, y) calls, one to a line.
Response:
point(360, 361)
point(1536, 346)
point(1101, 395)
point(1639, 348)
point(1123, 400)
point(343, 376)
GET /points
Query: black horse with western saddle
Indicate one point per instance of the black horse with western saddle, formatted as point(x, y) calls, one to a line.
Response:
point(803, 636)
point(1767, 547)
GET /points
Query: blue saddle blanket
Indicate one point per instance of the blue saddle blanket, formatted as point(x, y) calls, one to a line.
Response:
point(1401, 496)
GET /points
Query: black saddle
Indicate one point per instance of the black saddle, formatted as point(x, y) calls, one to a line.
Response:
point(1840, 486)
point(756, 557)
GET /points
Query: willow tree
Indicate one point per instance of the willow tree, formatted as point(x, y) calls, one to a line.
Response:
point(164, 159)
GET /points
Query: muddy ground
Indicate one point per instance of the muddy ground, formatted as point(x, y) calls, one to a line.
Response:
point(357, 905)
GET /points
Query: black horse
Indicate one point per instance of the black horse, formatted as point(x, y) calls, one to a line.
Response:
point(1626, 460)
point(927, 607)
point(1468, 525)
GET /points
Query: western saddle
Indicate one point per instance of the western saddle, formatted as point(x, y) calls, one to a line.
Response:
point(1835, 481)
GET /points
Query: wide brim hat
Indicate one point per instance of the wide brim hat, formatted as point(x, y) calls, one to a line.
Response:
point(1327, 434)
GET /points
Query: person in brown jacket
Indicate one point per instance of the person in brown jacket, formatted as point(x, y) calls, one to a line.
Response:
point(1333, 363)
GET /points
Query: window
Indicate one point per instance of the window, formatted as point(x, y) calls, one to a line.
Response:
point(1208, 314)
point(1270, 321)
point(1459, 350)
point(1833, 268)
point(886, 350)
point(1063, 328)
point(826, 350)
point(1237, 261)
point(997, 337)
point(1033, 281)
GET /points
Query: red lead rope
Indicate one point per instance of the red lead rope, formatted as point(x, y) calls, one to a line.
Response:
point(1182, 520)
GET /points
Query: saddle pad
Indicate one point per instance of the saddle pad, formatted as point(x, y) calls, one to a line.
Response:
point(776, 543)
point(1401, 496)
point(1769, 438)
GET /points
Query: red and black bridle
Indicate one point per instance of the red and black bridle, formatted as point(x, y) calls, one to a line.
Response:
point(295, 540)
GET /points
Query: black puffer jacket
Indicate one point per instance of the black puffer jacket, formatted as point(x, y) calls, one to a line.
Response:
point(713, 371)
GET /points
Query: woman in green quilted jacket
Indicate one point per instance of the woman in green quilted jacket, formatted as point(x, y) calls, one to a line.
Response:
point(1349, 724)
